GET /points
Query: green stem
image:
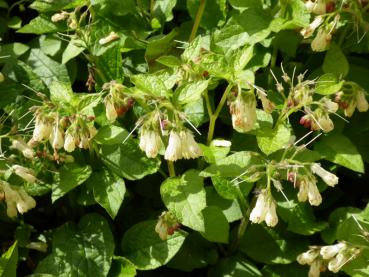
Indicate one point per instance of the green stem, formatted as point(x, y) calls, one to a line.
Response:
point(273, 61)
point(214, 116)
point(171, 169)
point(198, 17)
point(152, 3)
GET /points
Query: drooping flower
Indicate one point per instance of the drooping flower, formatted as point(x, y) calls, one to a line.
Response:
point(308, 31)
point(329, 178)
point(111, 113)
point(42, 129)
point(23, 147)
point(264, 210)
point(362, 103)
point(314, 270)
point(150, 142)
point(25, 173)
point(344, 255)
point(309, 191)
point(57, 137)
point(167, 224)
point(243, 111)
point(321, 41)
point(59, 16)
point(17, 200)
point(190, 148)
point(25, 202)
point(329, 251)
point(308, 257)
point(109, 38)
point(69, 142)
point(174, 148)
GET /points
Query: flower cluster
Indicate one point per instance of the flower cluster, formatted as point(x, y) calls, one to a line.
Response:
point(167, 224)
point(333, 257)
point(351, 99)
point(182, 145)
point(16, 198)
point(265, 209)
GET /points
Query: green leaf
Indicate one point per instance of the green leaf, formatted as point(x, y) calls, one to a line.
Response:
point(9, 91)
point(163, 9)
point(110, 135)
point(224, 187)
point(293, 14)
point(170, 61)
point(55, 5)
point(150, 84)
point(340, 150)
point(110, 64)
point(190, 92)
point(15, 22)
point(47, 69)
point(128, 161)
point(196, 252)
point(213, 153)
point(50, 45)
point(290, 270)
point(8, 262)
point(122, 267)
point(230, 208)
point(159, 46)
point(328, 84)
point(233, 165)
point(278, 247)
point(244, 4)
point(69, 177)
point(216, 225)
point(274, 139)
point(73, 49)
point(108, 191)
point(195, 112)
point(13, 50)
point(61, 93)
point(335, 62)
point(85, 249)
point(185, 197)
point(214, 12)
point(42, 25)
point(144, 248)
point(234, 267)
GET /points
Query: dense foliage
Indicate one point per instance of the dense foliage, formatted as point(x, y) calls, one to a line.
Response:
point(184, 138)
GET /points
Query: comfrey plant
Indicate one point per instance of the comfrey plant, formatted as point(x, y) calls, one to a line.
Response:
point(219, 138)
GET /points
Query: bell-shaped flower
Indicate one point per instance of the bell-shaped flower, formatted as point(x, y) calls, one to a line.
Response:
point(308, 31)
point(23, 147)
point(110, 111)
point(150, 142)
point(25, 173)
point(69, 142)
point(243, 111)
point(329, 178)
point(329, 251)
point(315, 268)
point(362, 103)
point(308, 257)
point(42, 129)
point(173, 151)
point(109, 38)
point(309, 191)
point(57, 137)
point(190, 148)
point(321, 41)
point(25, 202)
point(264, 210)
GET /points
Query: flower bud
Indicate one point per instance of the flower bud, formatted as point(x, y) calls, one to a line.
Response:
point(321, 41)
point(23, 147)
point(111, 113)
point(109, 38)
point(174, 148)
point(308, 257)
point(328, 252)
point(59, 16)
point(329, 178)
point(243, 111)
point(362, 103)
point(26, 174)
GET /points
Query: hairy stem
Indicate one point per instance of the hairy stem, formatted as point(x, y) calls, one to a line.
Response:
point(198, 17)
point(171, 169)
point(214, 116)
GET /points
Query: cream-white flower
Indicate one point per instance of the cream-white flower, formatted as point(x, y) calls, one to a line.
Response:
point(17, 200)
point(314, 270)
point(264, 210)
point(150, 142)
point(308, 31)
point(25, 173)
point(190, 148)
point(84, 142)
point(309, 191)
point(23, 147)
point(331, 106)
point(271, 218)
point(25, 203)
point(57, 137)
point(42, 130)
point(362, 103)
point(69, 142)
point(321, 41)
point(329, 251)
point(243, 111)
point(308, 257)
point(174, 148)
point(111, 113)
point(59, 16)
point(337, 262)
point(329, 178)
point(109, 38)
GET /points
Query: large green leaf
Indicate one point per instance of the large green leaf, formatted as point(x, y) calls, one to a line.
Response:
point(81, 250)
point(61, 93)
point(190, 92)
point(185, 197)
point(267, 245)
point(274, 140)
point(144, 248)
point(216, 225)
point(69, 177)
point(122, 267)
point(110, 134)
point(339, 149)
point(9, 261)
point(128, 161)
point(234, 267)
point(42, 25)
point(335, 62)
point(108, 191)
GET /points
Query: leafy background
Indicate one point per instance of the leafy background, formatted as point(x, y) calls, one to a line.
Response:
point(98, 214)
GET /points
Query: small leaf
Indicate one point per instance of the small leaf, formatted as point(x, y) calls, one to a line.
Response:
point(185, 198)
point(70, 176)
point(328, 84)
point(110, 135)
point(122, 267)
point(61, 92)
point(340, 150)
point(144, 248)
point(41, 25)
point(73, 49)
point(150, 84)
point(170, 61)
point(190, 92)
point(335, 62)
point(274, 140)
point(9, 261)
point(160, 46)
